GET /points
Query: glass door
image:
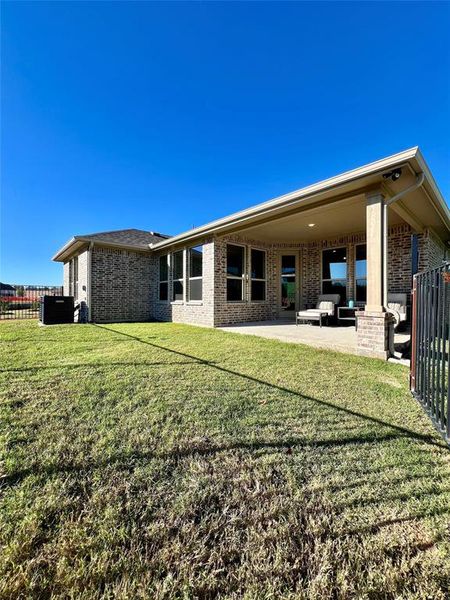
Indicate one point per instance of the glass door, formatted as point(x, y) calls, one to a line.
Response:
point(288, 285)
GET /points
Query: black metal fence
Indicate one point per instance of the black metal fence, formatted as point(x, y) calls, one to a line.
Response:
point(22, 301)
point(430, 340)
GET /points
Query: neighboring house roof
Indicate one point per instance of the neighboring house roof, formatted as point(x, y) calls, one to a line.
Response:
point(6, 286)
point(312, 195)
point(132, 239)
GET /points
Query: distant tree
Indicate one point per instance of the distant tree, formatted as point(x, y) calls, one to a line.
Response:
point(20, 291)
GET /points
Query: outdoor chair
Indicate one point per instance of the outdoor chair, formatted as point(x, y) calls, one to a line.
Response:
point(396, 306)
point(325, 308)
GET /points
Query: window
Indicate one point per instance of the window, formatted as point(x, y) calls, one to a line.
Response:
point(73, 277)
point(360, 273)
point(177, 276)
point(334, 272)
point(195, 273)
point(258, 275)
point(164, 278)
point(235, 273)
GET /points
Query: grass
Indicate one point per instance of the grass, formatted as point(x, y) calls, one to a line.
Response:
point(167, 461)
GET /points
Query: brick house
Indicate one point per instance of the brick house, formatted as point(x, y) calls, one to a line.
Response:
point(361, 234)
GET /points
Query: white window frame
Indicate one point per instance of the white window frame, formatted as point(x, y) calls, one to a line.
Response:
point(188, 275)
point(355, 278)
point(167, 256)
point(333, 278)
point(182, 279)
point(251, 279)
point(243, 277)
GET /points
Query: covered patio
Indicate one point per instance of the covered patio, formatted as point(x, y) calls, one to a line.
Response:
point(340, 339)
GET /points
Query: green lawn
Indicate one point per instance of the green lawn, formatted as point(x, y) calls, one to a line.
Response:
point(166, 461)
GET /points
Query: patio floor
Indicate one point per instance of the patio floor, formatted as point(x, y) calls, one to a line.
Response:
point(341, 339)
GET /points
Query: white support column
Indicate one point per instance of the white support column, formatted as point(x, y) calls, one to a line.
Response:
point(375, 251)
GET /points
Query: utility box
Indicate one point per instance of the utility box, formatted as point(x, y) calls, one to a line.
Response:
point(54, 310)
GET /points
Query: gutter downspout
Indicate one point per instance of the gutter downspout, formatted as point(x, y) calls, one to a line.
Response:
point(418, 183)
point(89, 279)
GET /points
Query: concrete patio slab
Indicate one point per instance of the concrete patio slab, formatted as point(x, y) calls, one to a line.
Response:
point(341, 339)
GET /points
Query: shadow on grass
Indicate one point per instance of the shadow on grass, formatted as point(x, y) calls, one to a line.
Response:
point(99, 366)
point(403, 431)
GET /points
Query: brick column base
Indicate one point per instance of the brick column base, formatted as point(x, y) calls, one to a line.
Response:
point(374, 334)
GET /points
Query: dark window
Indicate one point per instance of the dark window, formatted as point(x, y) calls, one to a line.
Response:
point(163, 278)
point(177, 289)
point(258, 290)
point(195, 273)
point(177, 269)
point(360, 273)
point(288, 264)
point(334, 272)
point(258, 275)
point(235, 272)
point(235, 260)
point(234, 289)
point(177, 276)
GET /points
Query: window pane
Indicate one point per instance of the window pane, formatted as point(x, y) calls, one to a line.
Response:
point(195, 289)
point(334, 264)
point(234, 289)
point(361, 290)
point(258, 267)
point(163, 270)
point(177, 290)
point(361, 263)
point(163, 291)
point(335, 287)
point(288, 293)
point(195, 261)
point(178, 265)
point(235, 260)
point(258, 290)
point(288, 265)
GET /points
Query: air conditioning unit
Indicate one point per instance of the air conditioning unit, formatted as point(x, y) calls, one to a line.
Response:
point(56, 310)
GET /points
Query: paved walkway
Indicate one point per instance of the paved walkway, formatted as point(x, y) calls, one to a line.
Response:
point(342, 339)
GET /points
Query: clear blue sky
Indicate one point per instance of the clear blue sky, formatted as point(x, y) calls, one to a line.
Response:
point(164, 116)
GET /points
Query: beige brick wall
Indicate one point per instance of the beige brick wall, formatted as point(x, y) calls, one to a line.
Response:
point(432, 251)
point(121, 285)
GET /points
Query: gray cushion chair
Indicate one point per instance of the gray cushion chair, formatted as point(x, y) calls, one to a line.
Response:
point(396, 306)
point(325, 308)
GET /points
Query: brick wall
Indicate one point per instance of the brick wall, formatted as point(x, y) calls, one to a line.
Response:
point(121, 285)
point(431, 251)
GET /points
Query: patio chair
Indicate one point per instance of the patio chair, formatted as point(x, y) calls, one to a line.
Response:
point(325, 308)
point(396, 306)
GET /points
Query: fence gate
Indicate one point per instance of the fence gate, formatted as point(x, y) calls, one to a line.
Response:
point(430, 338)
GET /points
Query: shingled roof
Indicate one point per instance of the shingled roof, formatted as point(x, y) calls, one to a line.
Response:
point(129, 237)
point(124, 238)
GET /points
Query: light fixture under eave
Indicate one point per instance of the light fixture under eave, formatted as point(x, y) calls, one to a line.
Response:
point(311, 224)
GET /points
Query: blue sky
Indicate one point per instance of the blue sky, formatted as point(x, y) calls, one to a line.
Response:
point(164, 116)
